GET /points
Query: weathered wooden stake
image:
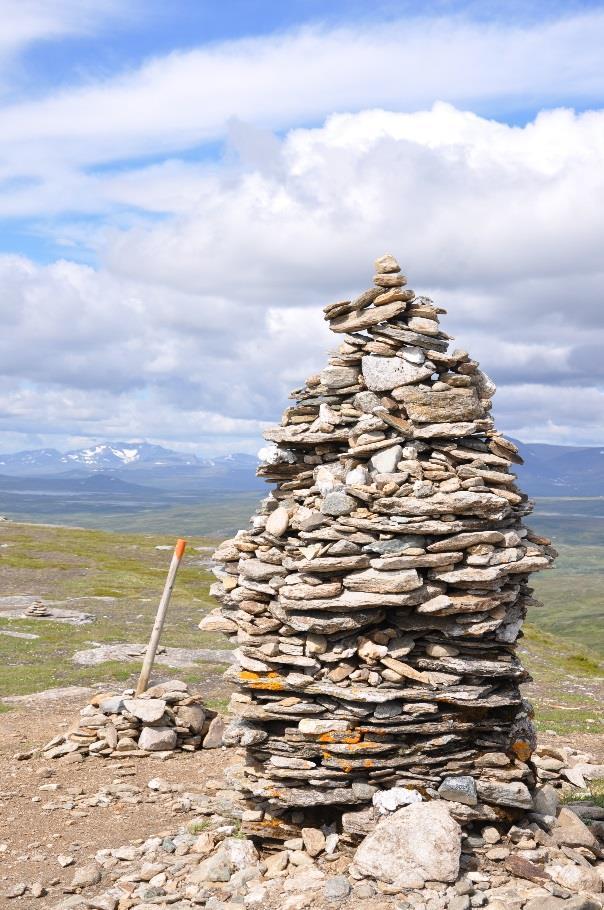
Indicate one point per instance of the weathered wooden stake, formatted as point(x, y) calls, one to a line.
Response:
point(158, 625)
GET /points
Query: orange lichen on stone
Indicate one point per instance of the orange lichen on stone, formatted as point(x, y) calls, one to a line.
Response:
point(270, 681)
point(522, 749)
point(361, 746)
point(339, 738)
point(274, 685)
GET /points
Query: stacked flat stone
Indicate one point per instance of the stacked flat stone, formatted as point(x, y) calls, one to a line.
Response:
point(377, 598)
point(165, 718)
point(37, 608)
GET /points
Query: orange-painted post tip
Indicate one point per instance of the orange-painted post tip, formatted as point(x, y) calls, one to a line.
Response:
point(179, 549)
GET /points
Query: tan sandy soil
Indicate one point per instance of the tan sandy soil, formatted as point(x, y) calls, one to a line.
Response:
point(35, 836)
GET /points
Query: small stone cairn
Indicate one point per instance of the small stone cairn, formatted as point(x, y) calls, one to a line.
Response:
point(164, 719)
point(37, 608)
point(378, 595)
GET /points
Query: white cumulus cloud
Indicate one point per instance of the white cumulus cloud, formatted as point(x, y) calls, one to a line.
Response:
point(194, 326)
point(53, 141)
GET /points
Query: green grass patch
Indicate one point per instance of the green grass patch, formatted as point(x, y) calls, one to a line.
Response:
point(118, 578)
point(198, 827)
point(219, 705)
point(594, 795)
point(215, 515)
point(575, 521)
point(568, 685)
point(572, 597)
point(583, 665)
point(567, 721)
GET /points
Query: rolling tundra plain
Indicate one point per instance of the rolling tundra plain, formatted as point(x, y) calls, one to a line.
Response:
point(111, 580)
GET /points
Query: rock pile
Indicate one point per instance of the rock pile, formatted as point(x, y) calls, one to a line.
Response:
point(377, 598)
point(417, 858)
point(37, 608)
point(566, 768)
point(164, 719)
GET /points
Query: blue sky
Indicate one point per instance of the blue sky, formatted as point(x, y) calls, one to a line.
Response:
point(135, 31)
point(182, 186)
point(141, 30)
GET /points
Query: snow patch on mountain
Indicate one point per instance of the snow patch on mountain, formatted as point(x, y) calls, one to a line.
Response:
point(101, 454)
point(141, 458)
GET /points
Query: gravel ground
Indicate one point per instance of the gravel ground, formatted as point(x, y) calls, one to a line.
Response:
point(35, 836)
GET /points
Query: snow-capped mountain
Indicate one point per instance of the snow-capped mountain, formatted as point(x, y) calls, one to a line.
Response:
point(120, 454)
point(150, 466)
point(33, 461)
point(100, 457)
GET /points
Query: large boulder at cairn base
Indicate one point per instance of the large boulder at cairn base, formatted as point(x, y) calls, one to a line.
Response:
point(421, 839)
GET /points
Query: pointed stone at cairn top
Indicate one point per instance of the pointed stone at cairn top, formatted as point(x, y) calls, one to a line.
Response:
point(378, 595)
point(386, 264)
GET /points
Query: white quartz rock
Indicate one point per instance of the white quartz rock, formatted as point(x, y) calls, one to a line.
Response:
point(387, 801)
point(358, 475)
point(385, 462)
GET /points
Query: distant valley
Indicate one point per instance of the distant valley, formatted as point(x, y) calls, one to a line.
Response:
point(128, 486)
point(159, 494)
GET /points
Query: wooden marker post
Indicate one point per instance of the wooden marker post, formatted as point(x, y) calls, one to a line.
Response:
point(158, 625)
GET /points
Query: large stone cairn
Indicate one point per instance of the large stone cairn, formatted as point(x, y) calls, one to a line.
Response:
point(377, 598)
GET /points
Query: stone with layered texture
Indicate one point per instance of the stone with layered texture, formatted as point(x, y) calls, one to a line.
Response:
point(356, 322)
point(435, 407)
point(339, 377)
point(148, 710)
point(382, 582)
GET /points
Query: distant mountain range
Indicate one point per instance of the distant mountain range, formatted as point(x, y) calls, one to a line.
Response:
point(140, 472)
point(109, 456)
point(550, 470)
point(128, 466)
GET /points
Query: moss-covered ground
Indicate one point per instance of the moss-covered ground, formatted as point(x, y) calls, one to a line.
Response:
point(119, 577)
point(116, 577)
